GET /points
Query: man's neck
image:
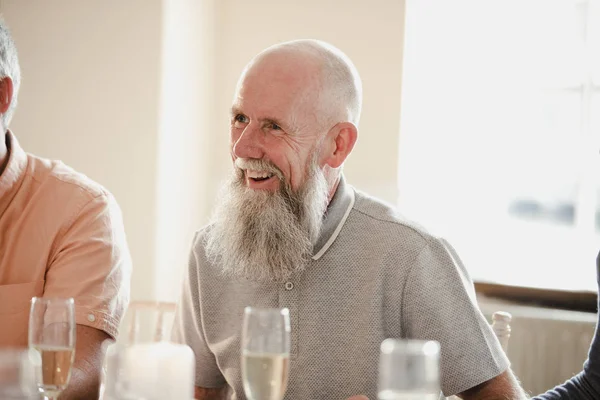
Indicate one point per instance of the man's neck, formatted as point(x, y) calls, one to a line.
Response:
point(4, 153)
point(333, 180)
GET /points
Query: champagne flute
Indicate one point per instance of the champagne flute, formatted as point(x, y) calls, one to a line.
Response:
point(409, 370)
point(52, 343)
point(265, 352)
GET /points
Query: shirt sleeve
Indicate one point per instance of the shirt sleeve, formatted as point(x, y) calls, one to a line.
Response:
point(188, 329)
point(90, 262)
point(439, 304)
point(586, 384)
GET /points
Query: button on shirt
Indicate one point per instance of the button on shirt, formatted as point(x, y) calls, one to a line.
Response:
point(61, 235)
point(373, 276)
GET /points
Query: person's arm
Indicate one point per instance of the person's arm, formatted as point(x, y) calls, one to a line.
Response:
point(85, 374)
point(586, 384)
point(439, 303)
point(188, 329)
point(91, 264)
point(209, 393)
point(576, 388)
point(502, 387)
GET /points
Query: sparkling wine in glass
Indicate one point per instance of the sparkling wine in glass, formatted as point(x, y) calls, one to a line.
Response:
point(265, 353)
point(52, 343)
point(409, 370)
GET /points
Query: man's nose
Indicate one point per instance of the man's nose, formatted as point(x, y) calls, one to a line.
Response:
point(249, 144)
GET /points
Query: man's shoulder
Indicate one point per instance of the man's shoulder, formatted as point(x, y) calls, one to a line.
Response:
point(200, 238)
point(201, 233)
point(380, 216)
point(61, 179)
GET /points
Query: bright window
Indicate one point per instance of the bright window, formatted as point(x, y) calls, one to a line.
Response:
point(500, 132)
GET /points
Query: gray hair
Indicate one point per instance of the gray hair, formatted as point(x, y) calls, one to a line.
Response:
point(9, 67)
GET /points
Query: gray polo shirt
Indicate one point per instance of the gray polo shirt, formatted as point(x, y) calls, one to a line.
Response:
point(373, 276)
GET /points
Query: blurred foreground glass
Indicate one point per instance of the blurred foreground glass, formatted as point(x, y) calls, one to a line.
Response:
point(17, 376)
point(265, 352)
point(52, 343)
point(148, 371)
point(409, 370)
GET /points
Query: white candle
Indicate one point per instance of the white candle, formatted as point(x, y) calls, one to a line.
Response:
point(153, 371)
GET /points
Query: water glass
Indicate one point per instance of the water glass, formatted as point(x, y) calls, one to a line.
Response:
point(409, 370)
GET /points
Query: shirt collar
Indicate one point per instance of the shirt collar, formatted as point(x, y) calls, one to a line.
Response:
point(337, 212)
point(12, 176)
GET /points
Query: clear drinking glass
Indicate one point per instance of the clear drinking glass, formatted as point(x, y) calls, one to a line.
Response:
point(52, 343)
point(17, 377)
point(409, 370)
point(265, 353)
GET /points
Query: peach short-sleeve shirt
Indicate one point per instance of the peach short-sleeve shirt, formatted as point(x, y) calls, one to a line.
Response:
point(61, 235)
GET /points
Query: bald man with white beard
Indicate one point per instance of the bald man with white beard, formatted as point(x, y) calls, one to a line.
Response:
point(289, 231)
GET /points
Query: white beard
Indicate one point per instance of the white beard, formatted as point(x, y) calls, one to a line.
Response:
point(266, 236)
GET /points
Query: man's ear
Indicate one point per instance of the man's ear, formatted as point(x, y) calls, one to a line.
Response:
point(6, 93)
point(341, 139)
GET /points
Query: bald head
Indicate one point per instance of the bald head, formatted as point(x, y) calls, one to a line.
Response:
point(322, 79)
point(297, 104)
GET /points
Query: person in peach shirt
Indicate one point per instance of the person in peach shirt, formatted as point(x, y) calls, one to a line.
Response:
point(61, 235)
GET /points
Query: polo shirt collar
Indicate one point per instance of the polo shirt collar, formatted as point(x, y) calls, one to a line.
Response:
point(337, 212)
point(13, 174)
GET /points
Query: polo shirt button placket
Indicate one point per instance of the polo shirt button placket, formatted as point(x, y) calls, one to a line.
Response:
point(288, 298)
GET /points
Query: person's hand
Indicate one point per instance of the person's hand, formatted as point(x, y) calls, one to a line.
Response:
point(359, 397)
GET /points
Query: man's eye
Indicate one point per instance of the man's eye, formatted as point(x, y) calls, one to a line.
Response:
point(275, 127)
point(242, 119)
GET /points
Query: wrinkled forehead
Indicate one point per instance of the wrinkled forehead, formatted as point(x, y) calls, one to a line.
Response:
point(282, 84)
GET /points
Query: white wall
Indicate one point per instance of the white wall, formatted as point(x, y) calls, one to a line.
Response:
point(136, 94)
point(369, 32)
point(117, 90)
point(185, 123)
point(89, 97)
